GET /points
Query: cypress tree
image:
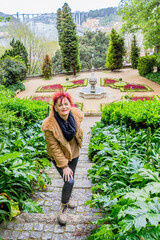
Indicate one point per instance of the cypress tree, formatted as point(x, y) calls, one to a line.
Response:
point(68, 40)
point(135, 53)
point(115, 52)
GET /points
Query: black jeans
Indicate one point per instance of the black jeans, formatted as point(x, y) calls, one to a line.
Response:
point(68, 186)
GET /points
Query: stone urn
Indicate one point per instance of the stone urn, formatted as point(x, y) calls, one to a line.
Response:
point(92, 82)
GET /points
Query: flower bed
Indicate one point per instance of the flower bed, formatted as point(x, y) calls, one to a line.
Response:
point(123, 86)
point(42, 98)
point(64, 86)
point(80, 82)
point(50, 88)
point(107, 82)
point(48, 99)
point(135, 87)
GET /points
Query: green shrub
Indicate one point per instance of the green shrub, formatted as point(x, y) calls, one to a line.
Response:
point(18, 49)
point(135, 113)
point(47, 67)
point(31, 111)
point(15, 70)
point(146, 64)
point(20, 111)
point(5, 93)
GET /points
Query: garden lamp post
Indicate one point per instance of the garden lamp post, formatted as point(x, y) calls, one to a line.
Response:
point(92, 56)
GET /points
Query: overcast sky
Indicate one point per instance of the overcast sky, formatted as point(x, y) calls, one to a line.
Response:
point(49, 6)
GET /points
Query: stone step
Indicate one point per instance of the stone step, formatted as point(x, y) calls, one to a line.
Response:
point(53, 195)
point(81, 165)
point(84, 151)
point(51, 218)
point(80, 182)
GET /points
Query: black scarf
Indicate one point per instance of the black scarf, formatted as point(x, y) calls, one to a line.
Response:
point(68, 128)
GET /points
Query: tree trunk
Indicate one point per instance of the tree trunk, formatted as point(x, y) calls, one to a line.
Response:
point(74, 71)
point(157, 49)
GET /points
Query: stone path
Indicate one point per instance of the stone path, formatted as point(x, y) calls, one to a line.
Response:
point(45, 226)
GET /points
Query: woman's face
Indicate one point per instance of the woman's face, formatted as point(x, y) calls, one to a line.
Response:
point(63, 107)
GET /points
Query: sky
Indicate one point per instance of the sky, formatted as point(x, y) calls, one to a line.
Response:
point(49, 6)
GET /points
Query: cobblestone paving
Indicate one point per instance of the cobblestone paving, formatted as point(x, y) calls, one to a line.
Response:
point(45, 226)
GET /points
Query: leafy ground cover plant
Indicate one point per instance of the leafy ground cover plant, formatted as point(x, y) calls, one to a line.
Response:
point(22, 155)
point(63, 86)
point(126, 182)
point(122, 177)
point(154, 76)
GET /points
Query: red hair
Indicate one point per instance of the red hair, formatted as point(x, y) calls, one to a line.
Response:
point(61, 95)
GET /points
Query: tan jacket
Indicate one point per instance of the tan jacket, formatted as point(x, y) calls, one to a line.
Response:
point(58, 147)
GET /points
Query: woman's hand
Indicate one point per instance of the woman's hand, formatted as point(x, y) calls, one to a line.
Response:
point(67, 174)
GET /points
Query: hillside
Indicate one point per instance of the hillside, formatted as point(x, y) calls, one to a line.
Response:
point(45, 24)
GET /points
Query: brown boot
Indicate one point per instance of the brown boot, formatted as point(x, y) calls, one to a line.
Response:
point(71, 203)
point(62, 218)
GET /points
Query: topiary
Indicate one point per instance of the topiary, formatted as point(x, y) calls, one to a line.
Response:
point(135, 51)
point(47, 67)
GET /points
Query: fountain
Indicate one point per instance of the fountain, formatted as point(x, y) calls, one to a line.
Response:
point(92, 91)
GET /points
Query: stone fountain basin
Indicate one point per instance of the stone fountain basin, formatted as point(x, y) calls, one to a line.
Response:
point(86, 92)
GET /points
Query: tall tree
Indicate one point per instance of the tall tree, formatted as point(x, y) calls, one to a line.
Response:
point(95, 43)
point(115, 52)
point(135, 53)
point(142, 15)
point(68, 40)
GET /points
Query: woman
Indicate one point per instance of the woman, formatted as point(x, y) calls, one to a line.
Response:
point(64, 138)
